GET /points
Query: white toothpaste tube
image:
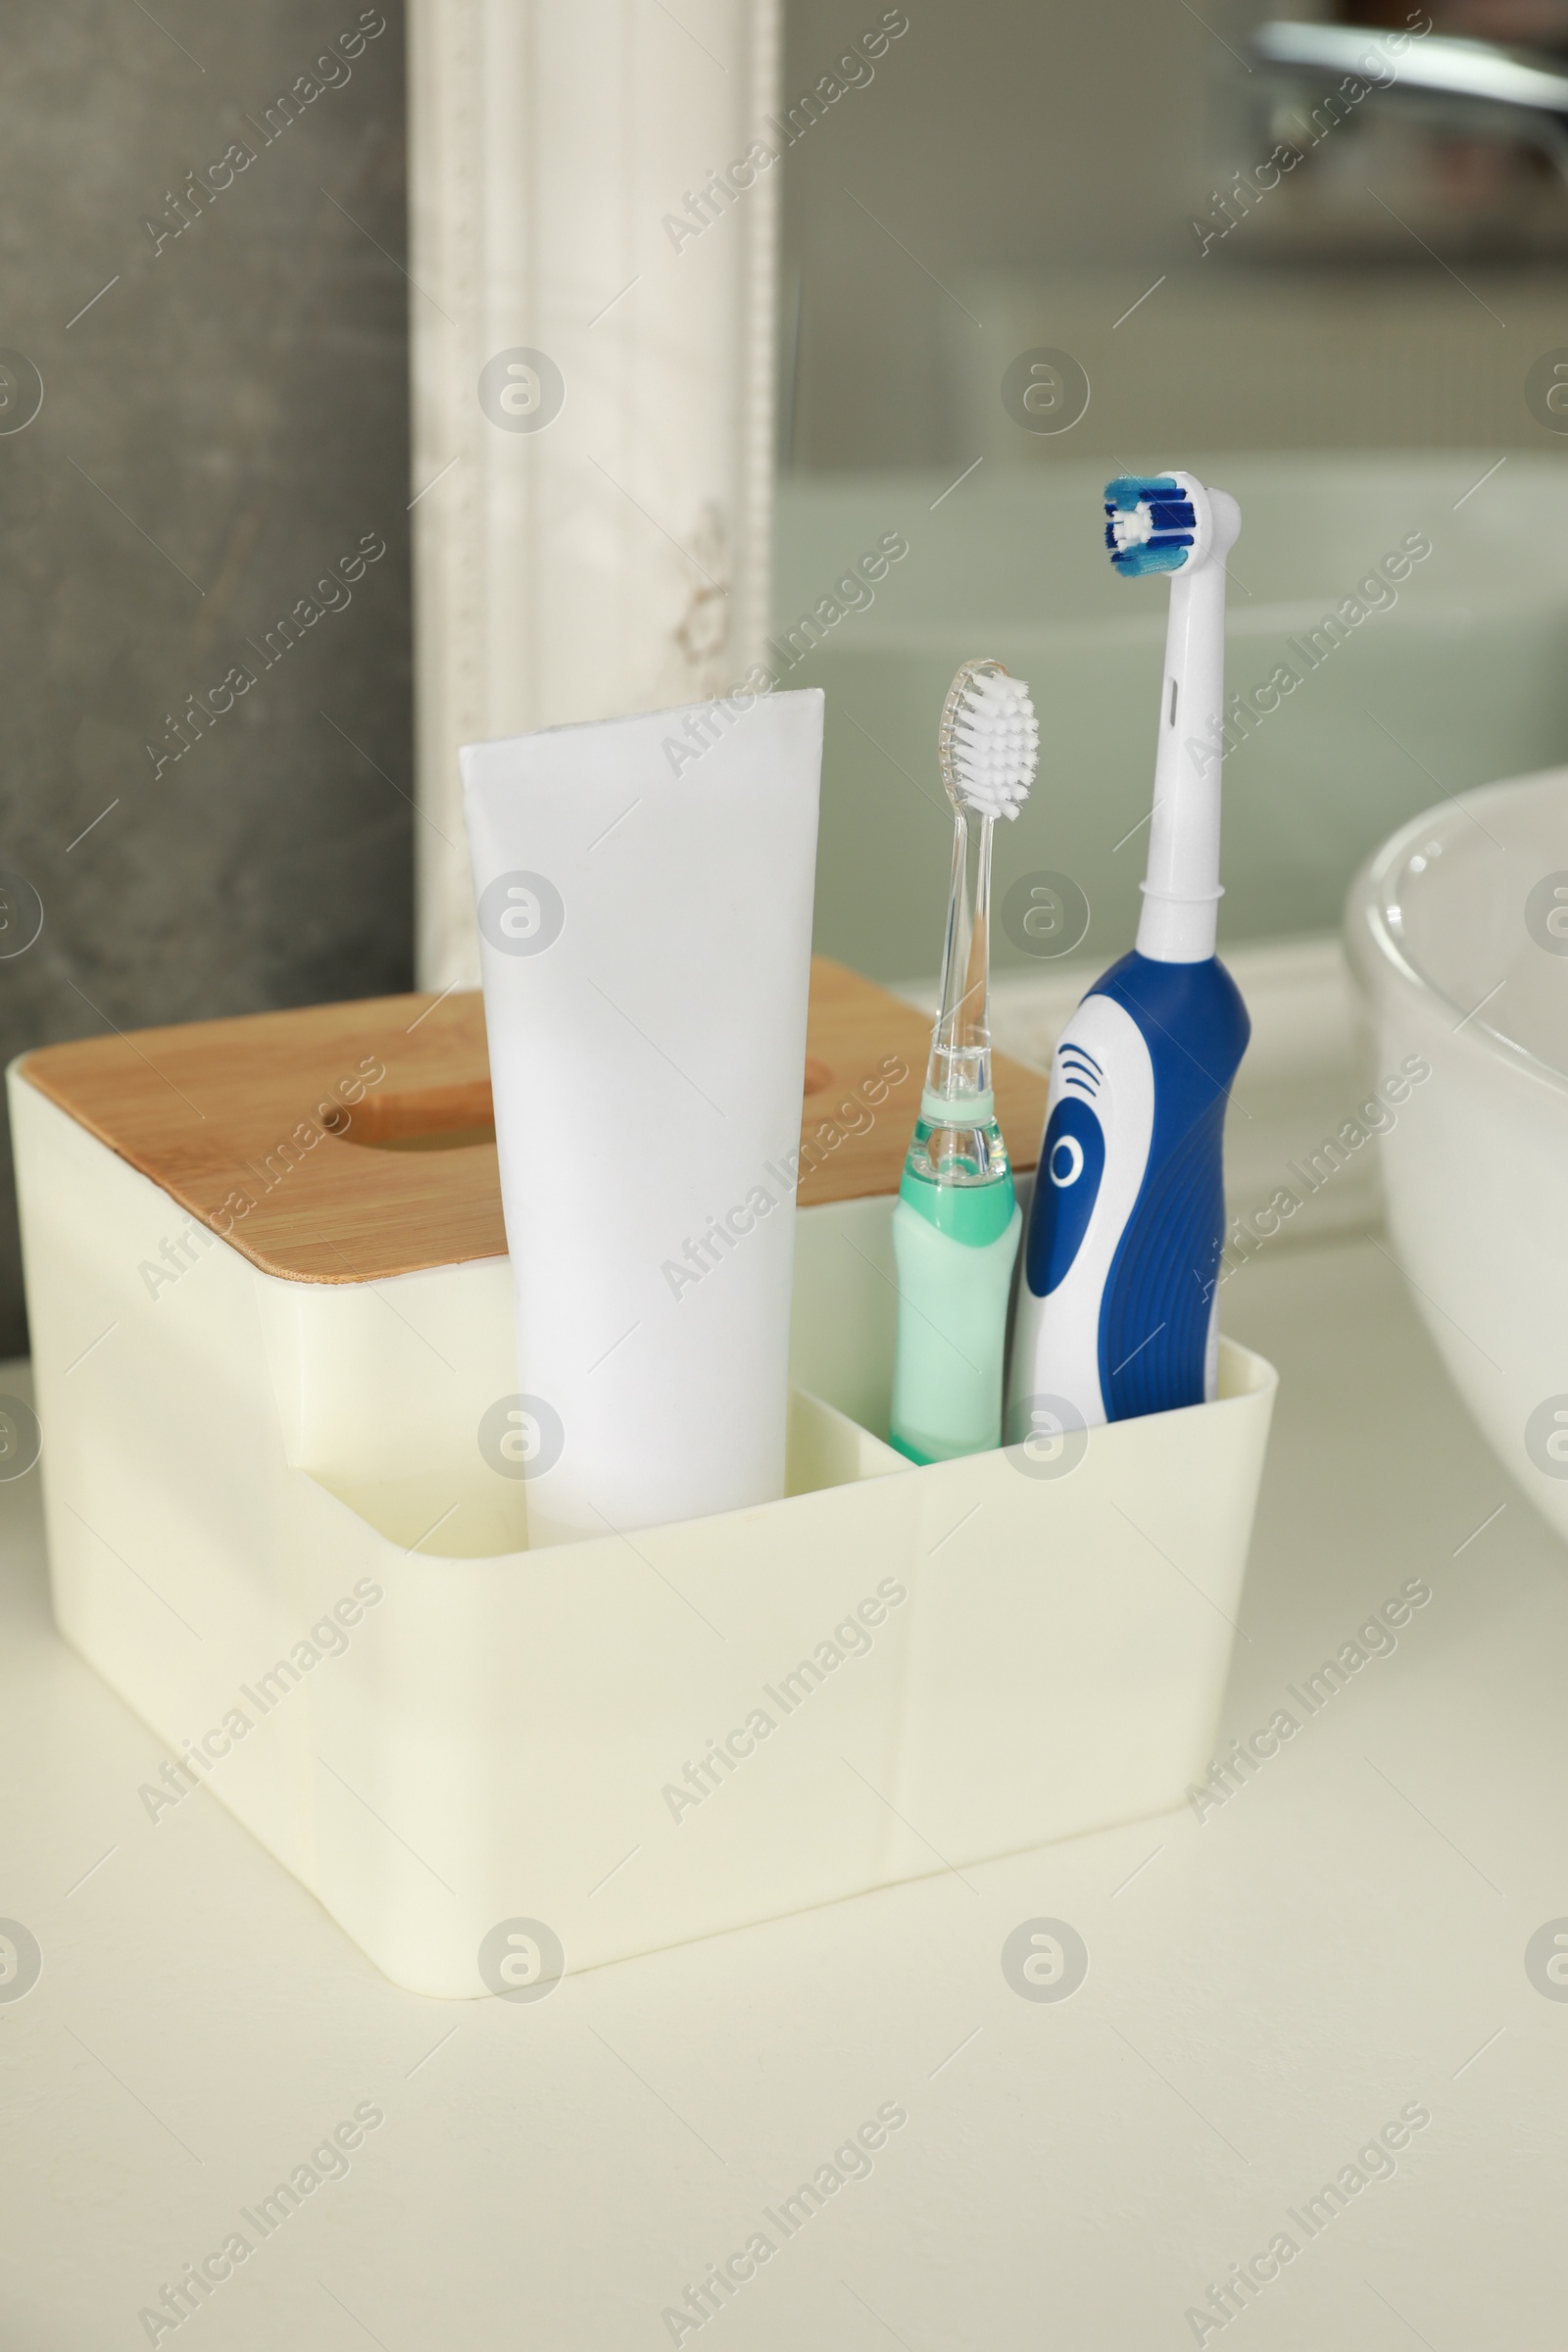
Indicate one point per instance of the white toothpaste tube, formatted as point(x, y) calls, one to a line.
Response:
point(645, 891)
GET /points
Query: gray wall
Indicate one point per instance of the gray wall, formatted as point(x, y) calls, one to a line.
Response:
point(221, 428)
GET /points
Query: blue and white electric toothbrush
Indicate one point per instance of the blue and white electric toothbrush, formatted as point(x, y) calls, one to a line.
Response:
point(1117, 1303)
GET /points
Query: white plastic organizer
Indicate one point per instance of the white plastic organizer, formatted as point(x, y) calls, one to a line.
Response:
point(273, 1529)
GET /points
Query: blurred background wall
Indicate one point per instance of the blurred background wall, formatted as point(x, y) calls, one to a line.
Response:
point(1014, 135)
point(1019, 174)
point(223, 422)
point(1358, 341)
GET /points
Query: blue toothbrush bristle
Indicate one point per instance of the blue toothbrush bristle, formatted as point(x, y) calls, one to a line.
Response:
point(1174, 523)
point(1127, 489)
point(1169, 556)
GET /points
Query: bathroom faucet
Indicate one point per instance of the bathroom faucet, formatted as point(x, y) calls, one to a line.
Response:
point(1474, 87)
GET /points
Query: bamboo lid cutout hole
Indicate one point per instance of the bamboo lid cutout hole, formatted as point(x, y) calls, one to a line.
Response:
point(426, 1118)
point(458, 1118)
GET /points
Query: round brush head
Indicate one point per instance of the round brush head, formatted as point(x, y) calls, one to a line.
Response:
point(989, 745)
point(1166, 523)
point(1154, 523)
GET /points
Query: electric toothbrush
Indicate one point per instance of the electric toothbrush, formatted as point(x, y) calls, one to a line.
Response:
point(1117, 1309)
point(956, 1224)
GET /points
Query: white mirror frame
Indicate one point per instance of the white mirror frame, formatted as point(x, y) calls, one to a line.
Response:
point(573, 193)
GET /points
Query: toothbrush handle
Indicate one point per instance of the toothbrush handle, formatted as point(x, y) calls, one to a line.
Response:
point(952, 1336)
point(960, 1044)
point(1159, 1325)
point(1116, 1311)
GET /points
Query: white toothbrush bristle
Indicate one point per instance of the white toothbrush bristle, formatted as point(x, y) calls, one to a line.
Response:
point(1135, 529)
point(996, 745)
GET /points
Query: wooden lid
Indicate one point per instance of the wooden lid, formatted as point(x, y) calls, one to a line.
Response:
point(346, 1142)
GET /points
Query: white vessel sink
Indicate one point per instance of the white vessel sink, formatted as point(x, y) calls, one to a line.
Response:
point(1459, 941)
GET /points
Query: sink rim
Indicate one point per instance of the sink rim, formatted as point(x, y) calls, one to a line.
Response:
point(1376, 950)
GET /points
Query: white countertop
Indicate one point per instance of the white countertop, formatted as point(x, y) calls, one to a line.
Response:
point(1343, 1938)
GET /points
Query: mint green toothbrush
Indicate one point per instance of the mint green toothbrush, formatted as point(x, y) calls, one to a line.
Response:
point(956, 1224)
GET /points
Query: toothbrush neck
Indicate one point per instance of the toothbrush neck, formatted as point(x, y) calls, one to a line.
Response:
point(1182, 888)
point(961, 1045)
